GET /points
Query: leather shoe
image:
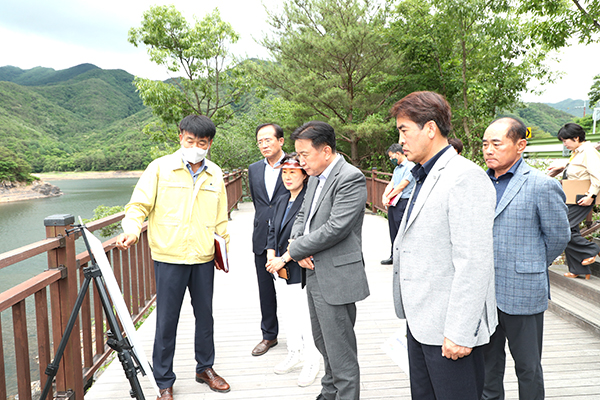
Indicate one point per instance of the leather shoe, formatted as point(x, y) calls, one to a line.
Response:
point(571, 275)
point(166, 394)
point(263, 347)
point(213, 380)
point(389, 261)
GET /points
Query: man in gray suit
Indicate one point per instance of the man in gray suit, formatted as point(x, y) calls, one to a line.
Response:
point(531, 229)
point(443, 256)
point(327, 241)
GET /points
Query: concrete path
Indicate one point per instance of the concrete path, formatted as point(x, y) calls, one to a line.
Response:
point(571, 355)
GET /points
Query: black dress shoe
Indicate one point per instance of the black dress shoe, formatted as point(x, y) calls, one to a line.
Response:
point(389, 261)
point(263, 347)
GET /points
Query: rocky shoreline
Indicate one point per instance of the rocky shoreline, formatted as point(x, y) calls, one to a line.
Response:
point(17, 191)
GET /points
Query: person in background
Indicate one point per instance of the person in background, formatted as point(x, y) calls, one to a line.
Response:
point(397, 192)
point(292, 302)
point(183, 195)
point(457, 144)
point(443, 279)
point(266, 187)
point(584, 164)
point(328, 242)
point(531, 229)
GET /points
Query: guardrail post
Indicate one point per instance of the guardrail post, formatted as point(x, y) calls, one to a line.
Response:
point(63, 294)
point(373, 184)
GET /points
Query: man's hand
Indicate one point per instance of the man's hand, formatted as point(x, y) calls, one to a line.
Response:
point(454, 351)
point(125, 240)
point(306, 263)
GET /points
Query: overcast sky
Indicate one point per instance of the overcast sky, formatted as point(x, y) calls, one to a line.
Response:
point(60, 34)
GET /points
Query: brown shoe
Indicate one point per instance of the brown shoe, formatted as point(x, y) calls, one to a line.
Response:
point(214, 381)
point(263, 347)
point(166, 394)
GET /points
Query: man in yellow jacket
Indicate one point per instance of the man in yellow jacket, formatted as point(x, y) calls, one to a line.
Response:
point(183, 195)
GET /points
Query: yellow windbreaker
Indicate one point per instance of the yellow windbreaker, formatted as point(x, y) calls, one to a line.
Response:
point(182, 216)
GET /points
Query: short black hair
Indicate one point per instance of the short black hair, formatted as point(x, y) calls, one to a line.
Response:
point(198, 125)
point(395, 148)
point(457, 144)
point(318, 132)
point(422, 107)
point(571, 131)
point(516, 128)
point(278, 130)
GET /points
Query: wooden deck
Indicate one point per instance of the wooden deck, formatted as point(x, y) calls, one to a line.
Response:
point(571, 356)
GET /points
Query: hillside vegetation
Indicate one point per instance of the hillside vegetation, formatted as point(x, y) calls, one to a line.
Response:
point(89, 119)
point(81, 118)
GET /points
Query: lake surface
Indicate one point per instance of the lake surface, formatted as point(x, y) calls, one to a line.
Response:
point(22, 223)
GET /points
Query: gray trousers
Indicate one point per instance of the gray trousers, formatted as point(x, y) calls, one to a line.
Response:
point(333, 332)
point(579, 248)
point(524, 334)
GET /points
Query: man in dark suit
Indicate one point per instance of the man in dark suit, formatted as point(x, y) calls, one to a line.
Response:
point(531, 229)
point(328, 243)
point(265, 183)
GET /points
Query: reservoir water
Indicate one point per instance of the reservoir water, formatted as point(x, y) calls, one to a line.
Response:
point(22, 223)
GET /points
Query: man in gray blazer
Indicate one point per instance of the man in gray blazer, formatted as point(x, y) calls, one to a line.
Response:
point(531, 229)
point(327, 241)
point(443, 256)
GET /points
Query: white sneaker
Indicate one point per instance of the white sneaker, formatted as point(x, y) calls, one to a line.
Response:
point(292, 361)
point(309, 373)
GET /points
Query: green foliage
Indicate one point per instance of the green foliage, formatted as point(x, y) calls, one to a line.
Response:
point(556, 21)
point(594, 93)
point(13, 168)
point(104, 211)
point(477, 53)
point(334, 63)
point(208, 85)
point(544, 120)
point(91, 121)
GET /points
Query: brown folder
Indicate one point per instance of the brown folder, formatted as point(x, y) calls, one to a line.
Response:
point(221, 259)
point(574, 187)
point(284, 272)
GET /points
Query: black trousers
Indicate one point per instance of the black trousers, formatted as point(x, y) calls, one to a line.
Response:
point(395, 214)
point(172, 280)
point(579, 248)
point(435, 377)
point(524, 334)
point(268, 298)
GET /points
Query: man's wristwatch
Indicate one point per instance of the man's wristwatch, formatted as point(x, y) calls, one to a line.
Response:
point(283, 260)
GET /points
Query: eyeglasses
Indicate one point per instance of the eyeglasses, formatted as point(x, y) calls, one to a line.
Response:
point(266, 142)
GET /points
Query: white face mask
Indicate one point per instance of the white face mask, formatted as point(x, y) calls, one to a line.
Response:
point(193, 155)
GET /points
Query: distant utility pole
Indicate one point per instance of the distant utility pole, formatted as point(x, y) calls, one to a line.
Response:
point(584, 102)
point(595, 117)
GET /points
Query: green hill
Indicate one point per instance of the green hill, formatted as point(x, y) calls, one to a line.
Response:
point(548, 119)
point(81, 118)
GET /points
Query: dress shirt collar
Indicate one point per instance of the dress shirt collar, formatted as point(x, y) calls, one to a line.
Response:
point(325, 174)
point(277, 163)
point(420, 172)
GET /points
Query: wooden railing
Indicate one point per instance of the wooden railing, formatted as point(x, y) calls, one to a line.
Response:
point(376, 183)
point(54, 293)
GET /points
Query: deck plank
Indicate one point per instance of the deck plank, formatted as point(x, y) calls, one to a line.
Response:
point(571, 357)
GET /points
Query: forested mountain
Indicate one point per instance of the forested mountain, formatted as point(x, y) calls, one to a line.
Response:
point(81, 118)
point(570, 106)
point(548, 119)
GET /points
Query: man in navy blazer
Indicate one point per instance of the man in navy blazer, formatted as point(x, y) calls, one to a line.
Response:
point(531, 229)
point(266, 186)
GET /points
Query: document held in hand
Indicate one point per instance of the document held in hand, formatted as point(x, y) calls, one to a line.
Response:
point(395, 200)
point(221, 260)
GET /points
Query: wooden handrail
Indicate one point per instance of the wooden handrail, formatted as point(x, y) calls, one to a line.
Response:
point(55, 289)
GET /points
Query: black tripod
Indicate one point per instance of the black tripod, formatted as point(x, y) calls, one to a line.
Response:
point(115, 341)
